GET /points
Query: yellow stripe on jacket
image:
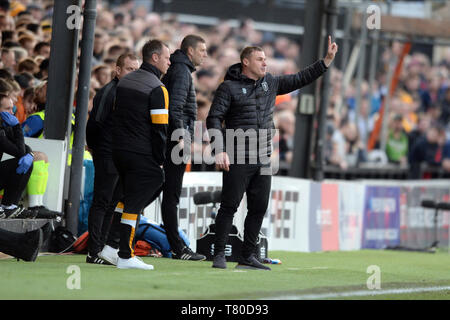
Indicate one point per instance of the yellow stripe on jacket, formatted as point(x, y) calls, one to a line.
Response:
point(129, 219)
point(166, 97)
point(161, 116)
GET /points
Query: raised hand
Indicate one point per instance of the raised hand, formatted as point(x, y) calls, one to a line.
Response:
point(331, 53)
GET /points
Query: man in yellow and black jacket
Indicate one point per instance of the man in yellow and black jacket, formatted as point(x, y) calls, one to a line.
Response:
point(140, 121)
point(107, 189)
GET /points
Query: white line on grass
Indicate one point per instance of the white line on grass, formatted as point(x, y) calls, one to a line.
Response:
point(308, 268)
point(360, 293)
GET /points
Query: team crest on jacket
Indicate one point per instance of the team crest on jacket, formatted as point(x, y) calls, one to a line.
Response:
point(265, 86)
point(244, 91)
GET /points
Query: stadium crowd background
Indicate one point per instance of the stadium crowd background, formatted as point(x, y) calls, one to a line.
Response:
point(419, 111)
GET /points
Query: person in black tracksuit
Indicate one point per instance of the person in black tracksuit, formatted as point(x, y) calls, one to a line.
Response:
point(107, 190)
point(245, 100)
point(182, 115)
point(140, 120)
point(14, 176)
point(15, 172)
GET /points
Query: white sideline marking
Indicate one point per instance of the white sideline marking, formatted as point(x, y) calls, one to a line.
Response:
point(308, 268)
point(360, 293)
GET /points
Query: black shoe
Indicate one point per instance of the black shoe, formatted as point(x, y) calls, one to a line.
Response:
point(27, 214)
point(251, 263)
point(219, 261)
point(188, 254)
point(96, 260)
point(2, 213)
point(44, 213)
point(12, 213)
point(29, 247)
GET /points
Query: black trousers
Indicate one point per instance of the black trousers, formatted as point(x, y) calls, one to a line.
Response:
point(113, 237)
point(11, 182)
point(242, 178)
point(171, 190)
point(107, 193)
point(141, 179)
point(171, 198)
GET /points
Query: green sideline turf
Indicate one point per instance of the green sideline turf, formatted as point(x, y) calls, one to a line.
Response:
point(299, 274)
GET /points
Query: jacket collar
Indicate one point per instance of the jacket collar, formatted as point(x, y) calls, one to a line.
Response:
point(235, 73)
point(180, 57)
point(151, 68)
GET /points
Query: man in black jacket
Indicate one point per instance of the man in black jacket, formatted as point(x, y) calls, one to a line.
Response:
point(140, 121)
point(245, 102)
point(107, 191)
point(182, 115)
point(15, 172)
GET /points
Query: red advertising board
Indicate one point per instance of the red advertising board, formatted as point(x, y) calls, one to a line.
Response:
point(330, 217)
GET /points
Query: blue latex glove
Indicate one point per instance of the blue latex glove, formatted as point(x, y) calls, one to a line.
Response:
point(24, 163)
point(9, 119)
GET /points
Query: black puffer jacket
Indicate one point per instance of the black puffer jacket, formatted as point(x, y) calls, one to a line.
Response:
point(243, 103)
point(99, 125)
point(12, 141)
point(182, 101)
point(134, 129)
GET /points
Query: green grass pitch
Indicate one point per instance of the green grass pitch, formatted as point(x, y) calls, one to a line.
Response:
point(322, 275)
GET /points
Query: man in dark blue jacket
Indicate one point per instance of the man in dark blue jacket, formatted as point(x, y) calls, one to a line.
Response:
point(245, 102)
point(182, 115)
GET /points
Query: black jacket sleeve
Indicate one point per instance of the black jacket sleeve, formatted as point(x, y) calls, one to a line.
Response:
point(217, 113)
point(159, 113)
point(12, 141)
point(92, 131)
point(178, 84)
point(102, 107)
point(289, 83)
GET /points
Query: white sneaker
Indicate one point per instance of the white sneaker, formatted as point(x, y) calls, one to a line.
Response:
point(133, 263)
point(109, 254)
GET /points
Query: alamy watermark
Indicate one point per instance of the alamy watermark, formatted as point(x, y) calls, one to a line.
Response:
point(74, 280)
point(251, 146)
point(374, 280)
point(373, 21)
point(73, 21)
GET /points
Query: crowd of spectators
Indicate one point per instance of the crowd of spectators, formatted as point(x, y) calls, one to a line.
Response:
point(418, 128)
point(419, 108)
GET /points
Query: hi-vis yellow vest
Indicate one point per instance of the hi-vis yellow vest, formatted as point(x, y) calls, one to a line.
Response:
point(87, 155)
point(41, 115)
